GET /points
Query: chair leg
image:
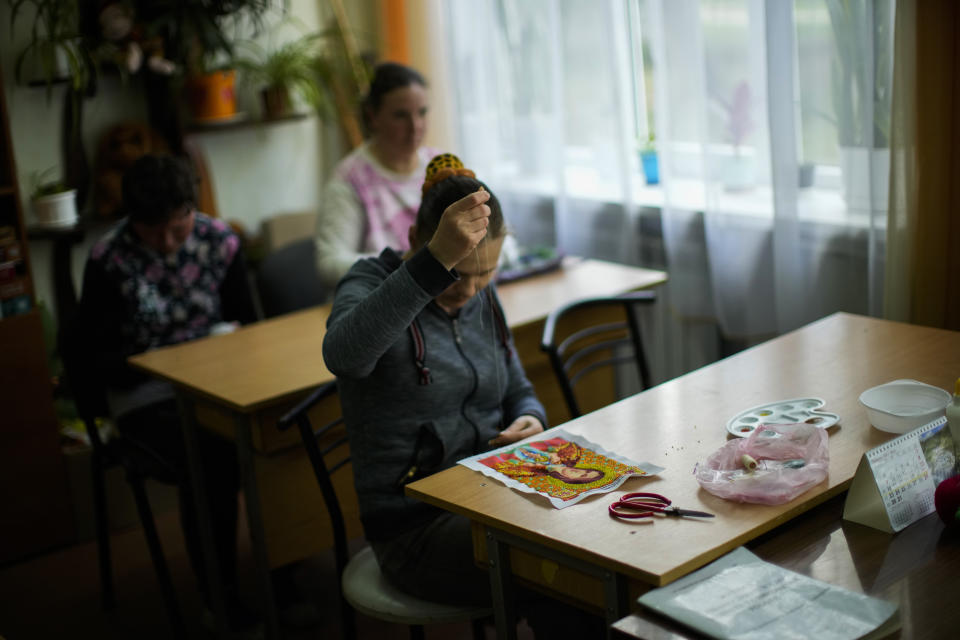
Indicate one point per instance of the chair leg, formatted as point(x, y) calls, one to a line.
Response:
point(416, 632)
point(107, 596)
point(156, 554)
point(348, 619)
point(478, 626)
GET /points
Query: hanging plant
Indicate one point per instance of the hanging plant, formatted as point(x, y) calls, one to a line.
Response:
point(56, 50)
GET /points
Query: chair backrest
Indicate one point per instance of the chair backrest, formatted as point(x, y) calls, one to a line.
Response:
point(284, 228)
point(593, 335)
point(287, 279)
point(332, 435)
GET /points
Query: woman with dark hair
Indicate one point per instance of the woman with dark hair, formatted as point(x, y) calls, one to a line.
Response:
point(372, 198)
point(164, 275)
point(427, 375)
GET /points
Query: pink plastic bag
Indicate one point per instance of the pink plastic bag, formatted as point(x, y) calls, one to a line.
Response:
point(790, 458)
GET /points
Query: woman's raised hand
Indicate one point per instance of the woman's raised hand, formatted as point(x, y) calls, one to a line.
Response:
point(462, 226)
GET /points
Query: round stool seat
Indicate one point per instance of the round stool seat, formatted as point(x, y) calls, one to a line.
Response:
point(368, 592)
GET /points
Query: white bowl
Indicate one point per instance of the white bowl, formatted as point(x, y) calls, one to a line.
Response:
point(903, 405)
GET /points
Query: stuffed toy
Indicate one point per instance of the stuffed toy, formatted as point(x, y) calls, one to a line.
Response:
point(124, 42)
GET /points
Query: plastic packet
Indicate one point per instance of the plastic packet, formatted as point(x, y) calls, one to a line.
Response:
point(775, 464)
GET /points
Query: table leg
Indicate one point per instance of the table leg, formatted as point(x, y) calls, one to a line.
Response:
point(501, 587)
point(214, 586)
point(615, 598)
point(258, 545)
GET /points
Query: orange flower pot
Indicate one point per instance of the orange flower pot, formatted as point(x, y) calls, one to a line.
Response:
point(212, 96)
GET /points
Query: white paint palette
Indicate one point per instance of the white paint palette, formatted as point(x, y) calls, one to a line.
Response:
point(782, 412)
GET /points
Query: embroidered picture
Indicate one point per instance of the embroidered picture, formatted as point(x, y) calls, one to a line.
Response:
point(562, 467)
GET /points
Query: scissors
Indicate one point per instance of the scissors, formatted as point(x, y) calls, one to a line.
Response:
point(646, 505)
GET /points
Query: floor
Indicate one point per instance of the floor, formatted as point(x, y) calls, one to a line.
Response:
point(57, 594)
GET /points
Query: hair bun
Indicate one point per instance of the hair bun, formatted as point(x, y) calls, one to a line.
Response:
point(443, 166)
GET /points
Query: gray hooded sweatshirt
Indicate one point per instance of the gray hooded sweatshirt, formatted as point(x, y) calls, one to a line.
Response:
point(420, 389)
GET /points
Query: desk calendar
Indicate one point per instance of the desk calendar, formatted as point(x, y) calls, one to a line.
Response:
point(894, 483)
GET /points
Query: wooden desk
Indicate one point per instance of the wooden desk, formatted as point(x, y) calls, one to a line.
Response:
point(582, 554)
point(240, 384)
point(262, 369)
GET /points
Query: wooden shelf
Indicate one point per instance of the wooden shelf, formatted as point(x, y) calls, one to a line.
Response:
point(40, 84)
point(34, 496)
point(242, 123)
point(75, 232)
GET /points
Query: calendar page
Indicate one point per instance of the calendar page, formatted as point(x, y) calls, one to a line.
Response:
point(908, 468)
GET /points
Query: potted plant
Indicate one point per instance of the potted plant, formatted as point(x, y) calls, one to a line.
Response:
point(323, 69)
point(55, 51)
point(285, 73)
point(649, 161)
point(198, 36)
point(54, 203)
point(738, 171)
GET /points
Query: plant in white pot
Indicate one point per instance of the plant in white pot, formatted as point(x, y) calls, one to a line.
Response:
point(739, 170)
point(54, 203)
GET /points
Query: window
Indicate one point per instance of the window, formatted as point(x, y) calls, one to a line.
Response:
point(559, 96)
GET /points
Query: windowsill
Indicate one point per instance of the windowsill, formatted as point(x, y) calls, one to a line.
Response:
point(816, 204)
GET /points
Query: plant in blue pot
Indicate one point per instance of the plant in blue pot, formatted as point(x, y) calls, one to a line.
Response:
point(649, 161)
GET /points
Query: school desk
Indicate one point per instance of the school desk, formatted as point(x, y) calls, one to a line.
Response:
point(239, 384)
point(582, 554)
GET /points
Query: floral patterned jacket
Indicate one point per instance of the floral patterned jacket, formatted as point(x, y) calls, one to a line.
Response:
point(134, 299)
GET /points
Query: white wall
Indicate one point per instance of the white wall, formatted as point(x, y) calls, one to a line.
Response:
point(257, 172)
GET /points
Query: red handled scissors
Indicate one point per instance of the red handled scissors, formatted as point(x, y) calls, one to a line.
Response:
point(646, 505)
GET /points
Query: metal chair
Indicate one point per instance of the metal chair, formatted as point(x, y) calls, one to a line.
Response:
point(361, 585)
point(576, 352)
point(138, 463)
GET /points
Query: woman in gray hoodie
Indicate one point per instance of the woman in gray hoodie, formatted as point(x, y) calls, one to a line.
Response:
point(428, 375)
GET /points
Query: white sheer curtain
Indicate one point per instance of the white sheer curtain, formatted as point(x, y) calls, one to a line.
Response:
point(543, 93)
point(770, 123)
point(765, 99)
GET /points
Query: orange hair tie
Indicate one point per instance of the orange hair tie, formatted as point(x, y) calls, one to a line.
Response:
point(443, 166)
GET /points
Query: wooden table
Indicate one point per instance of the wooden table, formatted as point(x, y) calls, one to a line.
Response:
point(239, 384)
point(581, 554)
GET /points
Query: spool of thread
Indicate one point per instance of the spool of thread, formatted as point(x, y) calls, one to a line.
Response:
point(748, 462)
